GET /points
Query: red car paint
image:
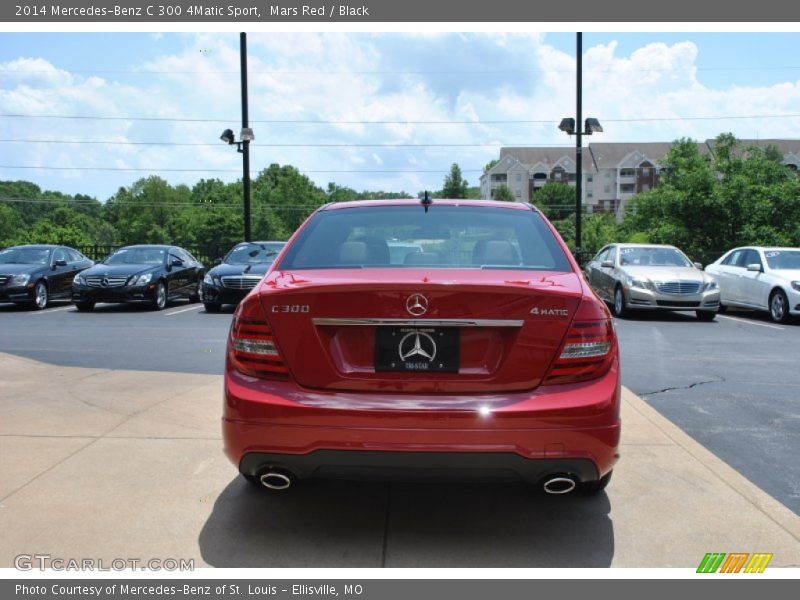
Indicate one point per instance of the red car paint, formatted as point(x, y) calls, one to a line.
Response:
point(515, 393)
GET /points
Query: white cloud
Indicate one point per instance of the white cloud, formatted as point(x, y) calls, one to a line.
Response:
point(364, 77)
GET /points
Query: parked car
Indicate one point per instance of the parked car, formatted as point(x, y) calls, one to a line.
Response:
point(35, 275)
point(152, 274)
point(489, 358)
point(760, 278)
point(238, 273)
point(652, 277)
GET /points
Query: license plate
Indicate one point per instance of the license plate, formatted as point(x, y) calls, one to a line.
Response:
point(417, 349)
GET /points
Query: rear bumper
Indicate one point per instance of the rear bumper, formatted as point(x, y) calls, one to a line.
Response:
point(571, 428)
point(417, 466)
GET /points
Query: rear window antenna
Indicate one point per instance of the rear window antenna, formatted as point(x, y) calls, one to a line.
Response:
point(426, 201)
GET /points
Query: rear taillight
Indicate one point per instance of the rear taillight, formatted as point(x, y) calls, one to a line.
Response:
point(251, 345)
point(588, 352)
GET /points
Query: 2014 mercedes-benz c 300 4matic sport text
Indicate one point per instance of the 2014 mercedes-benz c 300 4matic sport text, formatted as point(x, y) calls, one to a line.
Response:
point(481, 353)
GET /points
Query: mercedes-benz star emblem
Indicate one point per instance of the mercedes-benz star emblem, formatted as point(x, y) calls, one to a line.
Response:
point(418, 344)
point(104, 282)
point(417, 305)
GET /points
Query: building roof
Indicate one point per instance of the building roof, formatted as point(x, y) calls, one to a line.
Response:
point(610, 155)
point(547, 155)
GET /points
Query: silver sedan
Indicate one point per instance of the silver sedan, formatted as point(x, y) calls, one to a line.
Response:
point(650, 277)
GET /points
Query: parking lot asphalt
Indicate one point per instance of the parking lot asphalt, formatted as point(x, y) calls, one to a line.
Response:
point(107, 463)
point(732, 384)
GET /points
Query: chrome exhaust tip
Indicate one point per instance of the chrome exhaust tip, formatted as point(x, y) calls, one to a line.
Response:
point(559, 485)
point(275, 480)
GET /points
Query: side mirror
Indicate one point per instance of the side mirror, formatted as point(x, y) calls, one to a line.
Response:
point(698, 265)
point(607, 264)
point(217, 261)
point(755, 267)
point(60, 263)
point(176, 262)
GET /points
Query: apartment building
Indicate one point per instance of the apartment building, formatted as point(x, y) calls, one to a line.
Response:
point(612, 172)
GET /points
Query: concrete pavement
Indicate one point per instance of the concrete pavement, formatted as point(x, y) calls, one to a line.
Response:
point(98, 463)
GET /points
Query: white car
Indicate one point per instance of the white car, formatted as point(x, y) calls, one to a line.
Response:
point(760, 278)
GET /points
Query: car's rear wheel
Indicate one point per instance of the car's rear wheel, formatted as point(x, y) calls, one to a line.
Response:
point(706, 315)
point(619, 306)
point(159, 301)
point(41, 296)
point(595, 487)
point(779, 306)
point(723, 308)
point(84, 306)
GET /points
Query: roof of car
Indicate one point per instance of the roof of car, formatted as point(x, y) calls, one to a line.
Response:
point(434, 202)
point(49, 246)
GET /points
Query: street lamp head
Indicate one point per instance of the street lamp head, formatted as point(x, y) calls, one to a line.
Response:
point(593, 126)
point(247, 135)
point(227, 136)
point(567, 126)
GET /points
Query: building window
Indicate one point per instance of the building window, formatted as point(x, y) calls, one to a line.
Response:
point(499, 177)
point(589, 178)
point(646, 171)
point(519, 176)
point(608, 174)
point(626, 172)
point(589, 195)
point(557, 175)
point(518, 193)
point(607, 189)
point(627, 188)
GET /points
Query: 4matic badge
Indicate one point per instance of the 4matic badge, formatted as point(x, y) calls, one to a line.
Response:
point(549, 312)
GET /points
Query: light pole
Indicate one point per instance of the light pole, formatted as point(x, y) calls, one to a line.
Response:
point(588, 127)
point(245, 137)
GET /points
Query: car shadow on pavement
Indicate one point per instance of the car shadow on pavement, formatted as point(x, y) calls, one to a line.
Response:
point(363, 524)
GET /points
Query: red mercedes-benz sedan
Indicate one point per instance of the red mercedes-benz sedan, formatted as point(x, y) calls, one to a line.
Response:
point(403, 340)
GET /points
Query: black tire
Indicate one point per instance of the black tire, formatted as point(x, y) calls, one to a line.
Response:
point(41, 295)
point(618, 306)
point(590, 488)
point(159, 301)
point(779, 306)
point(706, 315)
point(212, 307)
point(723, 308)
point(84, 306)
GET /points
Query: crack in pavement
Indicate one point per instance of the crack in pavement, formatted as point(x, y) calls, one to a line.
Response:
point(683, 387)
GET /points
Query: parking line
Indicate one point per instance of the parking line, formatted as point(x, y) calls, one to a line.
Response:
point(51, 310)
point(183, 310)
point(749, 322)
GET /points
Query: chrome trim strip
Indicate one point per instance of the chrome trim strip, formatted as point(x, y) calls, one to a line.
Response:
point(420, 322)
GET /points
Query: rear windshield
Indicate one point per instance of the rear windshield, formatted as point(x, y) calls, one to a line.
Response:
point(408, 237)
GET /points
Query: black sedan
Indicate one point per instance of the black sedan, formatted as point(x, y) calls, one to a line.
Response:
point(151, 274)
point(238, 273)
point(35, 275)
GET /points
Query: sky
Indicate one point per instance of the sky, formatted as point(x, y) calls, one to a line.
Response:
point(383, 111)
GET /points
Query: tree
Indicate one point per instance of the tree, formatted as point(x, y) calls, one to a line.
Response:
point(488, 166)
point(504, 193)
point(556, 200)
point(455, 186)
